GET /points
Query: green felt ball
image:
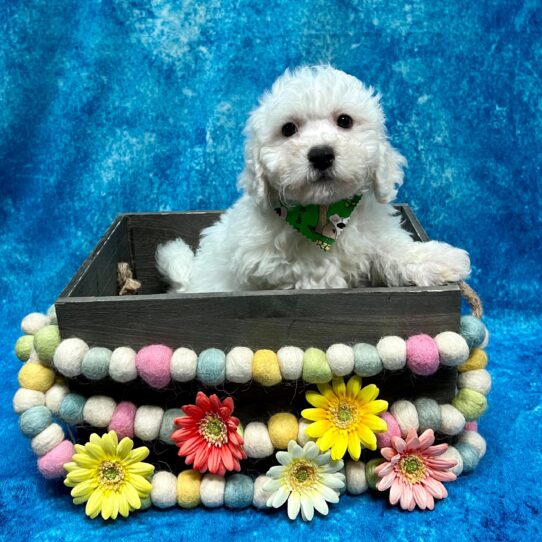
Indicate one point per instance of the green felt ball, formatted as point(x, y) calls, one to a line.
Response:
point(470, 403)
point(34, 420)
point(95, 364)
point(23, 347)
point(370, 474)
point(316, 369)
point(46, 341)
point(71, 408)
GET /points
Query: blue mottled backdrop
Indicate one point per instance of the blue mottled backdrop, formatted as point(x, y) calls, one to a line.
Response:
point(138, 105)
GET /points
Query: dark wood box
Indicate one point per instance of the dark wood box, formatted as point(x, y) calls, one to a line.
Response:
point(90, 309)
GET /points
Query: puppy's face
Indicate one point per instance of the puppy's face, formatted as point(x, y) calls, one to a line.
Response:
point(317, 137)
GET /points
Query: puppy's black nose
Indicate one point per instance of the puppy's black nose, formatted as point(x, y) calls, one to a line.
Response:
point(321, 157)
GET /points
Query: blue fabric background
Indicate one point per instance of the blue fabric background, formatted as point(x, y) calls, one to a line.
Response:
point(138, 105)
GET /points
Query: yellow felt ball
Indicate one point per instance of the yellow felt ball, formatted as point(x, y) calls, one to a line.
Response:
point(283, 428)
point(34, 376)
point(188, 488)
point(266, 368)
point(477, 360)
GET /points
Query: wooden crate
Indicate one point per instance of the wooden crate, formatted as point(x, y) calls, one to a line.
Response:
point(89, 308)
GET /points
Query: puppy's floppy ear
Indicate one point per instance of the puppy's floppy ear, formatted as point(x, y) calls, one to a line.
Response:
point(389, 172)
point(252, 179)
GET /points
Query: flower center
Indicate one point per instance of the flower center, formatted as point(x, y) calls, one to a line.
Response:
point(213, 429)
point(302, 474)
point(343, 415)
point(412, 468)
point(110, 474)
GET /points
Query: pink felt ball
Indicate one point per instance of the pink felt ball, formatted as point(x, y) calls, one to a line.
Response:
point(384, 439)
point(154, 365)
point(51, 465)
point(122, 421)
point(422, 355)
point(471, 426)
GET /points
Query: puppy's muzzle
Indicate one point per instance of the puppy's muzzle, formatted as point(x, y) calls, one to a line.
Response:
point(321, 157)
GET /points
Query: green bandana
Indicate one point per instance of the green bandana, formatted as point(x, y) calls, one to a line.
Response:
point(322, 224)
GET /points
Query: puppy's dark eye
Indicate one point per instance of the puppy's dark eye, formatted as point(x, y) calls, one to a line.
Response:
point(344, 121)
point(289, 129)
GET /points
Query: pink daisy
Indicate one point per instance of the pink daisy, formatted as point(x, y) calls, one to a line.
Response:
point(414, 472)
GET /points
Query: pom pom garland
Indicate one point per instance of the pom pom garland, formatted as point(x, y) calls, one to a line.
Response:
point(41, 396)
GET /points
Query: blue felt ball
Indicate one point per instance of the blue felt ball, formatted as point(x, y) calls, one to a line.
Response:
point(469, 455)
point(367, 362)
point(71, 408)
point(211, 369)
point(239, 491)
point(34, 420)
point(472, 330)
point(95, 364)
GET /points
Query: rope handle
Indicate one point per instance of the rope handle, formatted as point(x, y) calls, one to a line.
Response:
point(472, 298)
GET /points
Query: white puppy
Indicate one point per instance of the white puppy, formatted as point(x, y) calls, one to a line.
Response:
point(316, 138)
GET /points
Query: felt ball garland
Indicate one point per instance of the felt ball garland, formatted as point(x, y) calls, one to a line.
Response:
point(44, 396)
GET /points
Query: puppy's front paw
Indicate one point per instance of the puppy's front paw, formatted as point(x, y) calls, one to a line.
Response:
point(438, 263)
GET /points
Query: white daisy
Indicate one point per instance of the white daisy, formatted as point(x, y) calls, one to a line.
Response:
point(306, 478)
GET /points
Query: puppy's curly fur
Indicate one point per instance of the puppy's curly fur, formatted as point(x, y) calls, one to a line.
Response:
point(252, 248)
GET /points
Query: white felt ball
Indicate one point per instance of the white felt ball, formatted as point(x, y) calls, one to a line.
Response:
point(98, 410)
point(260, 496)
point(147, 422)
point(164, 489)
point(69, 356)
point(452, 421)
point(122, 366)
point(406, 415)
point(257, 440)
point(452, 348)
point(290, 362)
point(45, 441)
point(478, 380)
point(302, 438)
point(356, 480)
point(212, 490)
point(51, 313)
point(454, 455)
point(341, 359)
point(239, 365)
point(33, 322)
point(25, 399)
point(184, 363)
point(392, 352)
point(54, 397)
point(476, 440)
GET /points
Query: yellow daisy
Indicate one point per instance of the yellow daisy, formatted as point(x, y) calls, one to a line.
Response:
point(345, 417)
point(109, 476)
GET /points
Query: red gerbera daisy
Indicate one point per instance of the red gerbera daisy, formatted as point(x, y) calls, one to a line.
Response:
point(208, 436)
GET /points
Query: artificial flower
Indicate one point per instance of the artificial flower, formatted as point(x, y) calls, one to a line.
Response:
point(414, 472)
point(208, 436)
point(109, 476)
point(345, 417)
point(306, 478)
